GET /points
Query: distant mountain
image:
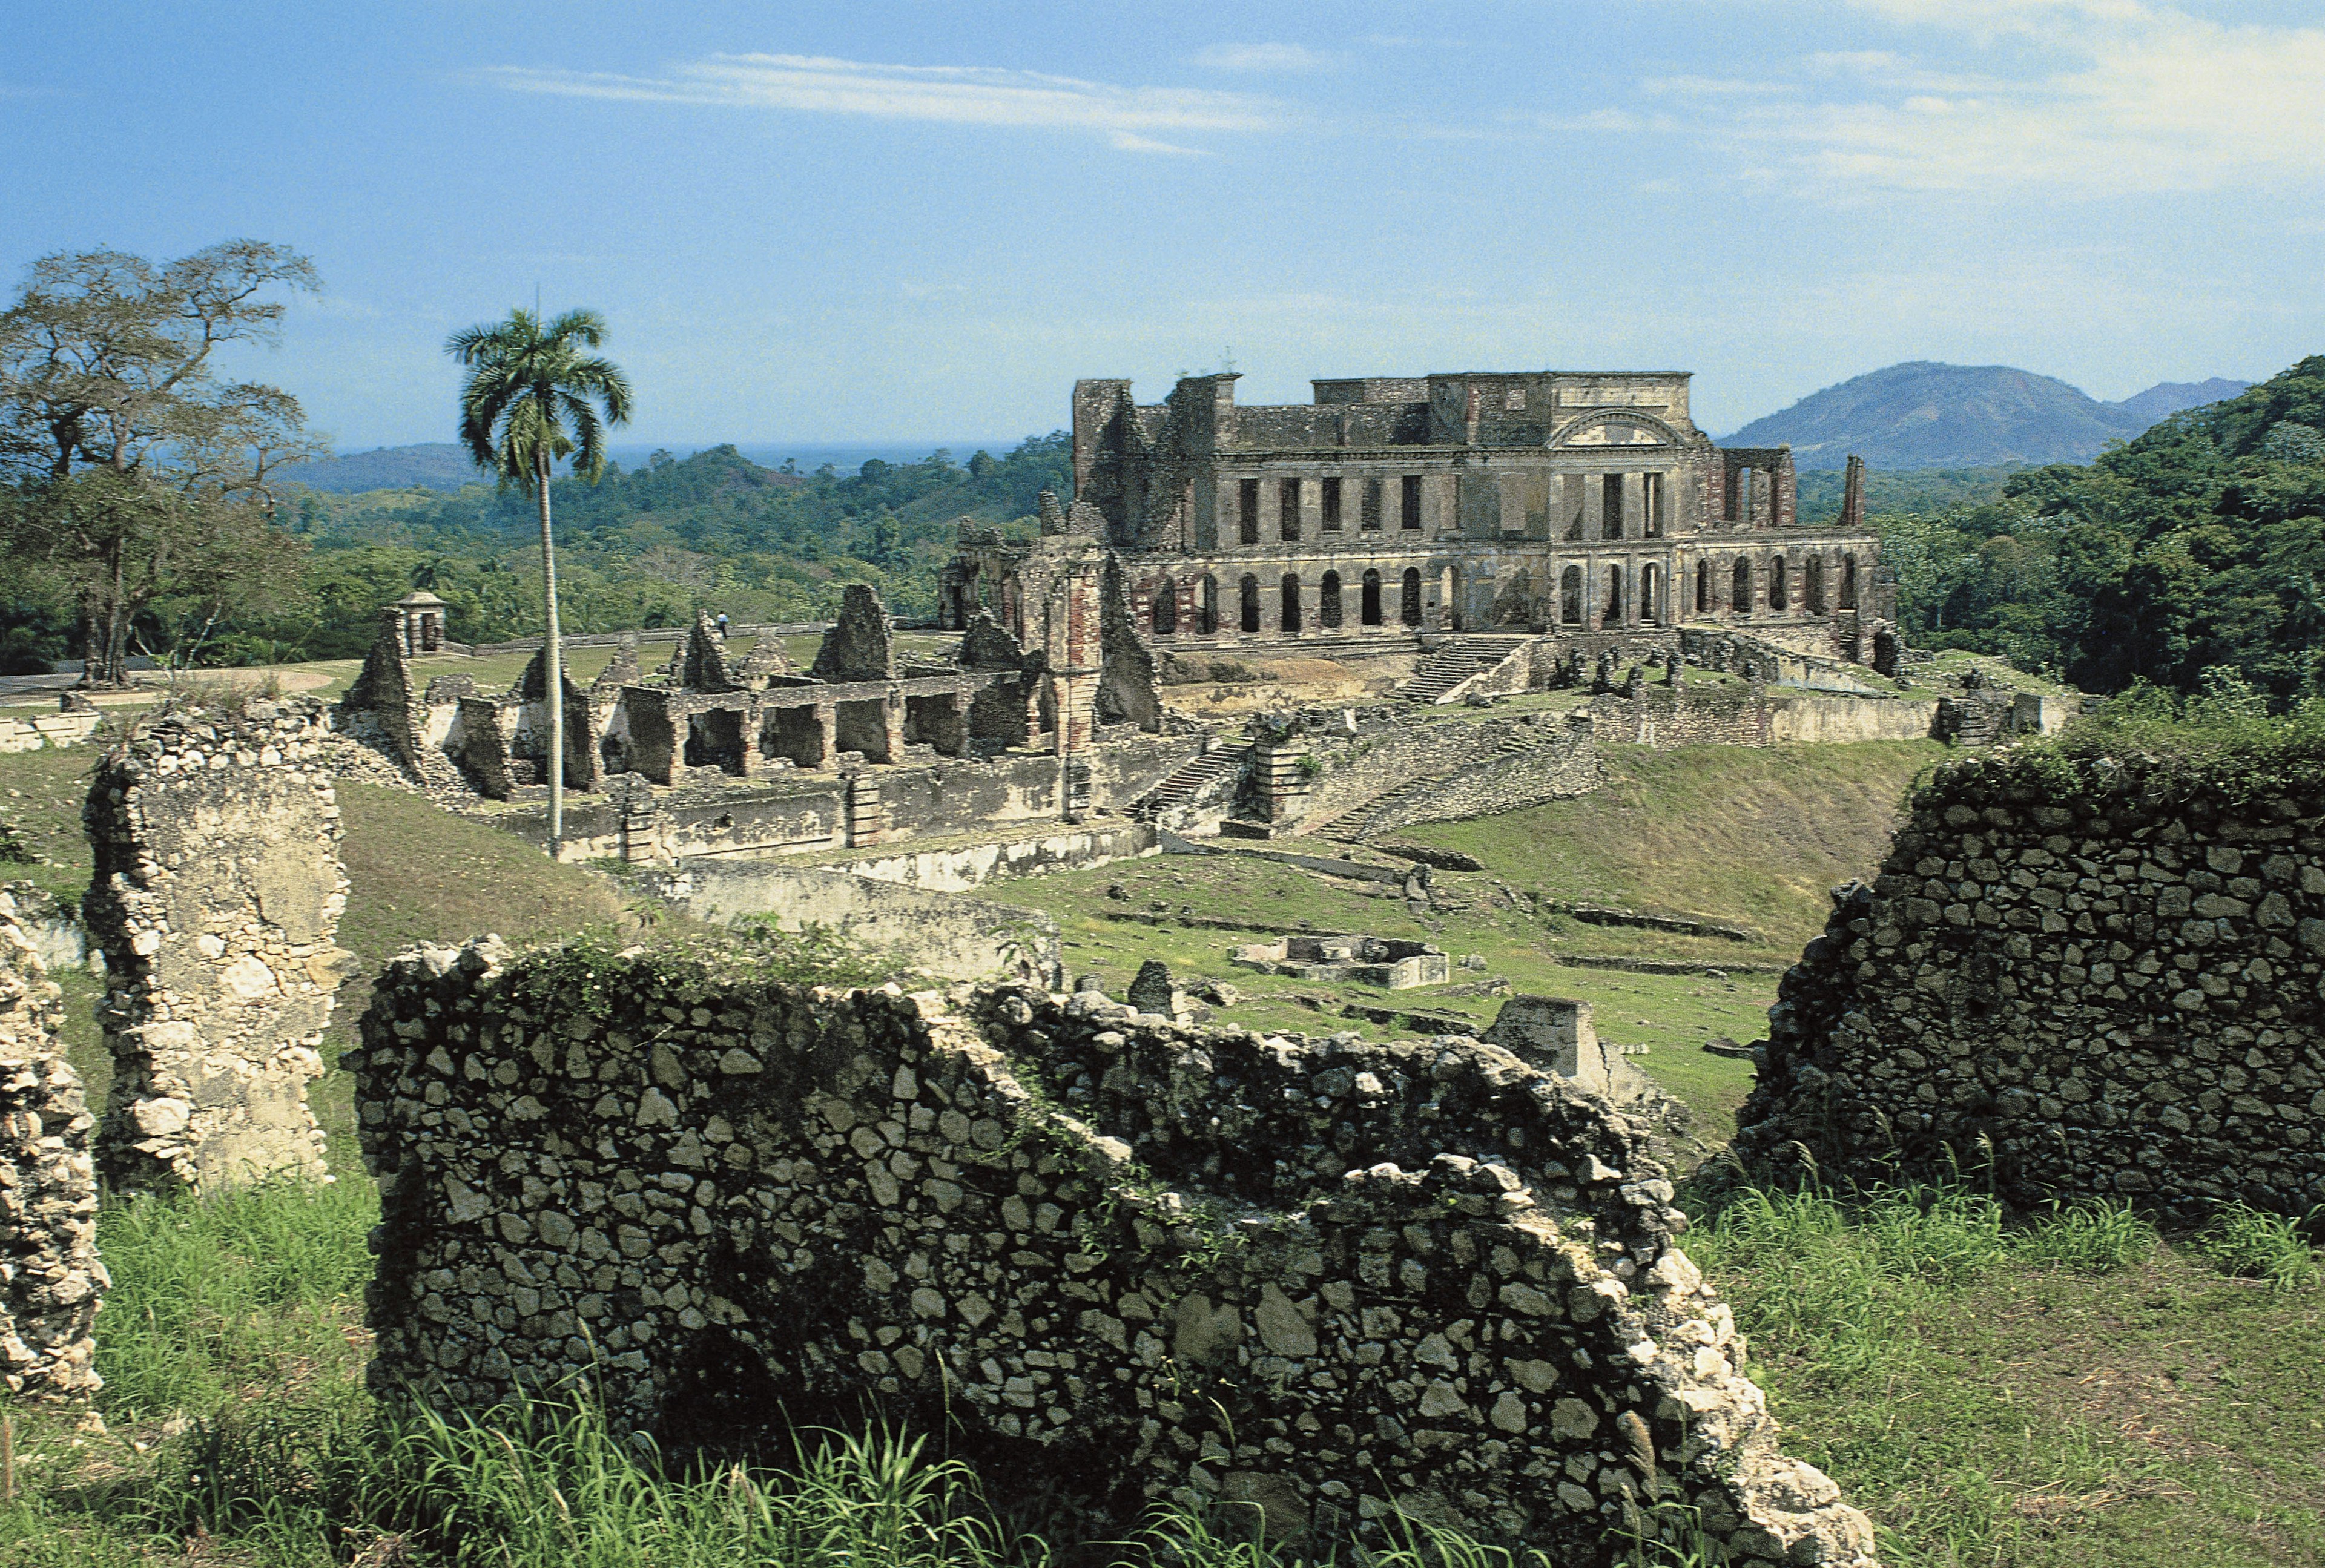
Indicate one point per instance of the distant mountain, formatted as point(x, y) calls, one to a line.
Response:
point(1925, 415)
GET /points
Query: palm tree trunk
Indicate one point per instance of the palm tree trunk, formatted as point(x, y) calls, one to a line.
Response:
point(552, 666)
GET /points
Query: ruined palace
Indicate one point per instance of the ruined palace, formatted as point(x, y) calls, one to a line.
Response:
point(1541, 501)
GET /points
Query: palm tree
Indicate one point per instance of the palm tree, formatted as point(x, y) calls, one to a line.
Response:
point(532, 397)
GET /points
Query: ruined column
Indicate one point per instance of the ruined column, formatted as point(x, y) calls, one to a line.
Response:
point(52, 1280)
point(827, 729)
point(216, 896)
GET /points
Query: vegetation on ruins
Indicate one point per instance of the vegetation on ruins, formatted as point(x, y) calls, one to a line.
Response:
point(139, 510)
point(529, 400)
point(2200, 543)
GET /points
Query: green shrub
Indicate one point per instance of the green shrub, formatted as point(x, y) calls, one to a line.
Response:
point(2255, 1244)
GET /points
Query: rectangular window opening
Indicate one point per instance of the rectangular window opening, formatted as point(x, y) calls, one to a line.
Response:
point(1371, 514)
point(1610, 512)
point(1331, 508)
point(1411, 510)
point(1247, 512)
point(1288, 513)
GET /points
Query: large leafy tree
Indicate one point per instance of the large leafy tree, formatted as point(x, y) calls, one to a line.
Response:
point(531, 399)
point(138, 478)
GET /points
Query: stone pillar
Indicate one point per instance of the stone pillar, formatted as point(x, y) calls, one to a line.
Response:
point(827, 727)
point(216, 896)
point(1281, 780)
point(1594, 507)
point(893, 711)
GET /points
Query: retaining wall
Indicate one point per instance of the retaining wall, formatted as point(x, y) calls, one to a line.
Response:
point(2098, 978)
point(1328, 1282)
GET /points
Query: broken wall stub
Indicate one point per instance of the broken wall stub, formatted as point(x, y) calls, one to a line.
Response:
point(1330, 1281)
point(217, 897)
point(1129, 692)
point(2085, 977)
point(50, 1280)
point(531, 737)
point(861, 645)
point(386, 708)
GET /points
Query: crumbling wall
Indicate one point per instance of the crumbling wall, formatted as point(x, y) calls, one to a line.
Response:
point(1127, 690)
point(1328, 1281)
point(861, 645)
point(216, 894)
point(2100, 977)
point(50, 1281)
point(386, 709)
point(1754, 714)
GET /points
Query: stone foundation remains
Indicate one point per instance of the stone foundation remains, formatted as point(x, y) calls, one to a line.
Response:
point(1365, 961)
point(50, 1281)
point(2100, 977)
point(1328, 1281)
point(217, 895)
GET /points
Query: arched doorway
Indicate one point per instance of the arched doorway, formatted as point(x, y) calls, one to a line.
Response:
point(1166, 608)
point(1779, 588)
point(1290, 603)
point(1651, 595)
point(1368, 604)
point(1813, 585)
point(1849, 583)
point(1327, 603)
point(1739, 602)
point(1613, 615)
point(1704, 588)
point(1207, 605)
point(1569, 596)
point(1250, 617)
point(1409, 607)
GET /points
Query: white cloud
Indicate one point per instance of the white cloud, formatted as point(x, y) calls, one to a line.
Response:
point(2135, 98)
point(953, 94)
point(1265, 57)
point(1711, 87)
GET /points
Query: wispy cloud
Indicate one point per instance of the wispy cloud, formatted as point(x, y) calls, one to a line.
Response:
point(1267, 56)
point(951, 95)
point(2128, 97)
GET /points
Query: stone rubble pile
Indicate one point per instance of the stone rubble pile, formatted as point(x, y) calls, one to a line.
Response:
point(1332, 1281)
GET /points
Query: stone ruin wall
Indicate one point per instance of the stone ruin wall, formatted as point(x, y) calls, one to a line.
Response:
point(1328, 1280)
point(216, 898)
point(50, 1281)
point(2112, 980)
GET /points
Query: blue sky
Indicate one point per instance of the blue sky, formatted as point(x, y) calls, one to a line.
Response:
point(882, 222)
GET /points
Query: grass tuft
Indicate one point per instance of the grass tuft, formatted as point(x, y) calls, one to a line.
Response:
point(2254, 1244)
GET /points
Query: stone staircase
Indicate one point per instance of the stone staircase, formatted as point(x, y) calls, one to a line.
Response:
point(1189, 778)
point(1459, 660)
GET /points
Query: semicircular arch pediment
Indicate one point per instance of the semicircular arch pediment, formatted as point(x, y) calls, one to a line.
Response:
point(1613, 427)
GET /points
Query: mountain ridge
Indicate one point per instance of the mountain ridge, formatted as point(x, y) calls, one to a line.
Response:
point(1924, 413)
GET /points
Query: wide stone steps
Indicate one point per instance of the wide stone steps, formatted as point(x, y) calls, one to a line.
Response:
point(1460, 660)
point(1189, 778)
point(1355, 826)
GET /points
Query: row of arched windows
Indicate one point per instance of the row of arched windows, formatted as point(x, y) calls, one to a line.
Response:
point(1331, 608)
point(1778, 577)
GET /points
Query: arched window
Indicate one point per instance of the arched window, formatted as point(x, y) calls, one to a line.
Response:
point(1741, 601)
point(1613, 615)
point(1778, 585)
point(1409, 611)
point(1368, 606)
point(1249, 618)
point(1166, 608)
point(1328, 602)
point(1651, 584)
point(1291, 602)
point(1704, 588)
point(1208, 612)
point(1569, 596)
point(1813, 585)
point(1849, 583)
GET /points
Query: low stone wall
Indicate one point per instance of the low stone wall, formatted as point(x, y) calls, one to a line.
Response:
point(2096, 977)
point(941, 935)
point(1754, 714)
point(959, 868)
point(1557, 767)
point(50, 1281)
point(1330, 1282)
point(217, 895)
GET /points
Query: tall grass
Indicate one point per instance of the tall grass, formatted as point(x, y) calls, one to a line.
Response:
point(2255, 1244)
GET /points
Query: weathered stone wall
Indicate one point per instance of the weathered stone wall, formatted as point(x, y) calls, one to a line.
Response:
point(940, 935)
point(216, 894)
point(1754, 714)
point(1355, 770)
point(1329, 1280)
point(1554, 765)
point(48, 729)
point(959, 866)
point(2097, 976)
point(50, 1281)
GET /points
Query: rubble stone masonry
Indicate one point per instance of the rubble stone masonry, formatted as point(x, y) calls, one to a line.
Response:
point(50, 1280)
point(1330, 1281)
point(216, 896)
point(2098, 976)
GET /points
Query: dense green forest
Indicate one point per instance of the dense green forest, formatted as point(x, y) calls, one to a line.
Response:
point(2199, 544)
point(645, 547)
